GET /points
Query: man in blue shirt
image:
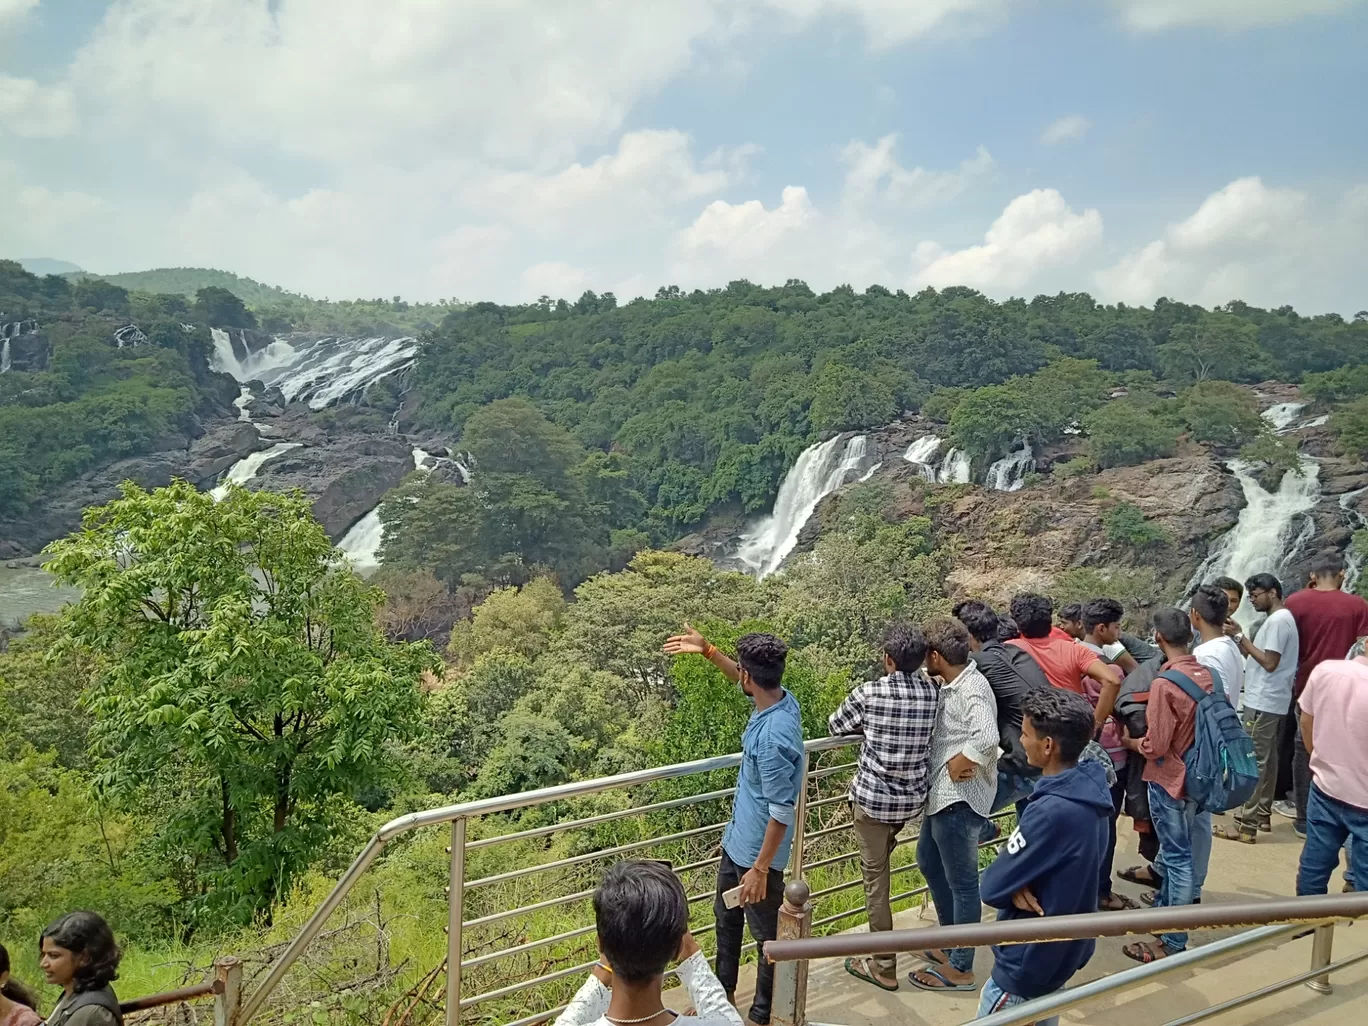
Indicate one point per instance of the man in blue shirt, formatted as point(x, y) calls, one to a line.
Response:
point(756, 842)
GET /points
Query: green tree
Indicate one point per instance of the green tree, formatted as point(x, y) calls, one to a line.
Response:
point(846, 398)
point(991, 420)
point(219, 308)
point(1218, 346)
point(1126, 524)
point(1220, 412)
point(1124, 433)
point(521, 620)
point(246, 687)
point(1350, 422)
point(1273, 456)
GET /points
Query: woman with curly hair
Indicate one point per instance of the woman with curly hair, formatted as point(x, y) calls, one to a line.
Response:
point(78, 954)
point(16, 1003)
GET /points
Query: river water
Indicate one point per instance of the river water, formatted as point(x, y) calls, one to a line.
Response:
point(28, 590)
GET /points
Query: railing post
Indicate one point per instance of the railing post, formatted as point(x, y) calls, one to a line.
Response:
point(800, 823)
point(228, 1000)
point(1320, 956)
point(791, 978)
point(455, 921)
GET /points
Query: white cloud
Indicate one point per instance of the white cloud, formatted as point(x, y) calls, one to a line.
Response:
point(12, 10)
point(1037, 233)
point(35, 111)
point(1155, 15)
point(1249, 241)
point(1069, 128)
point(889, 23)
point(874, 174)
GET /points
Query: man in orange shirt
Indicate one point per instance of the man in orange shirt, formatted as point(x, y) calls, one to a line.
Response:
point(1064, 660)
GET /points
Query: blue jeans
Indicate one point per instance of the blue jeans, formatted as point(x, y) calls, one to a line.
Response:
point(1011, 788)
point(1329, 824)
point(995, 999)
point(947, 855)
point(1184, 853)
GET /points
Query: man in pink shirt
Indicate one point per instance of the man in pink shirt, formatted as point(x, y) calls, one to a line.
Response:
point(1334, 725)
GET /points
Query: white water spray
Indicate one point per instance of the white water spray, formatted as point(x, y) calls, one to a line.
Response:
point(919, 454)
point(5, 363)
point(361, 544)
point(1355, 521)
point(818, 472)
point(954, 469)
point(1009, 473)
point(246, 468)
point(1282, 416)
point(315, 369)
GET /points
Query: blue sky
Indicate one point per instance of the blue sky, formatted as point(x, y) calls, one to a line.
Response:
point(1202, 149)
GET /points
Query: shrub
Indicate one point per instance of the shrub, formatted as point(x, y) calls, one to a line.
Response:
point(1126, 524)
point(1079, 466)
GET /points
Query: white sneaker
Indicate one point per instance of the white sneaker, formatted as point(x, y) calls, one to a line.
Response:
point(1288, 810)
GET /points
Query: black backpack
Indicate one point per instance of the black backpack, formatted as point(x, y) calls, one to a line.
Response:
point(104, 998)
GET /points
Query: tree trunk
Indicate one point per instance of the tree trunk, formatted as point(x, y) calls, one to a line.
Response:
point(230, 841)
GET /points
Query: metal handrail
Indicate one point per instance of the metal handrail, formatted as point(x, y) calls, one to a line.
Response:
point(458, 816)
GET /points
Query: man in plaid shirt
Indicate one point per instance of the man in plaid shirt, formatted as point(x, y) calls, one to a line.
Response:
point(895, 714)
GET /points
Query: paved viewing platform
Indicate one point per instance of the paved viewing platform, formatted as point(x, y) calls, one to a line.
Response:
point(1238, 872)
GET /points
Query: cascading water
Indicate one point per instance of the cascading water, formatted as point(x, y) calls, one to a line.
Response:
point(1009, 473)
point(5, 362)
point(1272, 528)
point(246, 468)
point(819, 471)
point(315, 369)
point(919, 454)
point(361, 544)
point(1356, 522)
point(244, 400)
point(1282, 416)
point(954, 469)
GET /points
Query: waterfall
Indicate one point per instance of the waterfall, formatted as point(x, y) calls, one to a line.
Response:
point(5, 363)
point(919, 454)
point(869, 473)
point(1316, 422)
point(243, 400)
point(1272, 528)
point(1283, 415)
point(819, 471)
point(954, 469)
point(361, 544)
point(1009, 473)
point(1356, 522)
point(246, 468)
point(316, 369)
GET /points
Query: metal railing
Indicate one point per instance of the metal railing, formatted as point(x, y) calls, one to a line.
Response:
point(463, 848)
point(225, 988)
point(1290, 915)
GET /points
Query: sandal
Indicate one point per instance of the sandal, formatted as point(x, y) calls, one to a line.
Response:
point(1233, 834)
point(1116, 902)
point(862, 969)
point(1143, 953)
point(934, 957)
point(1132, 875)
point(1149, 898)
point(945, 984)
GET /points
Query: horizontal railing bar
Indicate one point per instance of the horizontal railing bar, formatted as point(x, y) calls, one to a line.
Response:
point(1311, 908)
point(172, 997)
point(1044, 1007)
point(514, 988)
point(494, 917)
point(606, 817)
point(519, 949)
point(827, 830)
point(828, 771)
point(1269, 991)
point(828, 801)
point(859, 909)
point(698, 865)
point(540, 1017)
point(575, 860)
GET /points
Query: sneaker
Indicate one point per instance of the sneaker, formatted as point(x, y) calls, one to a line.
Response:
point(1285, 809)
point(1300, 831)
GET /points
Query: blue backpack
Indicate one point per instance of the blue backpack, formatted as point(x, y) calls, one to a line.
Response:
point(1221, 770)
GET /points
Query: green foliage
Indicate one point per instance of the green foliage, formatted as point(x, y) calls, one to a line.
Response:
point(1125, 432)
point(40, 696)
point(844, 397)
point(1218, 346)
point(1078, 466)
point(1136, 589)
point(1273, 456)
point(1336, 385)
point(1037, 408)
point(246, 690)
point(1350, 423)
point(219, 308)
point(520, 620)
point(1126, 524)
point(1220, 412)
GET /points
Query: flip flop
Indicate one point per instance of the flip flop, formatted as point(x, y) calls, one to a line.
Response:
point(868, 975)
point(1126, 903)
point(1149, 898)
point(1141, 952)
point(1232, 834)
point(1132, 875)
point(931, 957)
point(912, 979)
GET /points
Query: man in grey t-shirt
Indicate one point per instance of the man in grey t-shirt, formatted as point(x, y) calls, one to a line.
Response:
point(1270, 669)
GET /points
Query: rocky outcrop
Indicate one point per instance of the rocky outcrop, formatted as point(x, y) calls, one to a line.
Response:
point(200, 460)
point(346, 476)
point(27, 348)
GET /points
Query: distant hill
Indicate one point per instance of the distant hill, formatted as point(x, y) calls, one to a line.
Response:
point(187, 281)
point(46, 265)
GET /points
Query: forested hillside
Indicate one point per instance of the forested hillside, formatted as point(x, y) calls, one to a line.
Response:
point(703, 400)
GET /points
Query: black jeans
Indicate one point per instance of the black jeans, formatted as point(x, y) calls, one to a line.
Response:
point(763, 920)
point(1104, 878)
point(1301, 773)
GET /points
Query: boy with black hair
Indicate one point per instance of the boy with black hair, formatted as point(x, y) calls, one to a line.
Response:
point(1183, 829)
point(756, 842)
point(1214, 650)
point(1066, 663)
point(1269, 671)
point(1048, 865)
point(1071, 621)
point(964, 747)
point(895, 714)
point(642, 915)
point(1234, 593)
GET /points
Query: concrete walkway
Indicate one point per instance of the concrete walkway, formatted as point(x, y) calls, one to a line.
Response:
point(1237, 872)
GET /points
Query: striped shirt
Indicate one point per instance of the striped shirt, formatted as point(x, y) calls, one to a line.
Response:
point(895, 714)
point(966, 724)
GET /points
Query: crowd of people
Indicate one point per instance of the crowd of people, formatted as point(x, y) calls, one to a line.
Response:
point(77, 954)
point(1068, 719)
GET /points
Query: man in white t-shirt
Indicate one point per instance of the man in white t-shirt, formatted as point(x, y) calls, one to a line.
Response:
point(1209, 614)
point(1270, 669)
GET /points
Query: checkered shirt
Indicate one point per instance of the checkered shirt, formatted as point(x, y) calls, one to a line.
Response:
point(895, 714)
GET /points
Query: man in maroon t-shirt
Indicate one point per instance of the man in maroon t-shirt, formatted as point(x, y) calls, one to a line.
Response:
point(1329, 621)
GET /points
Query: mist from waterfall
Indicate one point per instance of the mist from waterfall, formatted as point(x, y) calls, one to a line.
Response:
point(819, 471)
point(315, 369)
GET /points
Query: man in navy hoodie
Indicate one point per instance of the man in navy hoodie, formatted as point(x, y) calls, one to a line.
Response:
point(1049, 866)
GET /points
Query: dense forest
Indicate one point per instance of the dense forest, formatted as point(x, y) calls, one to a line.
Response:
point(668, 410)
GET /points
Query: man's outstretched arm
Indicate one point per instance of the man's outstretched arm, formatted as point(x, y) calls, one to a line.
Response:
point(693, 643)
